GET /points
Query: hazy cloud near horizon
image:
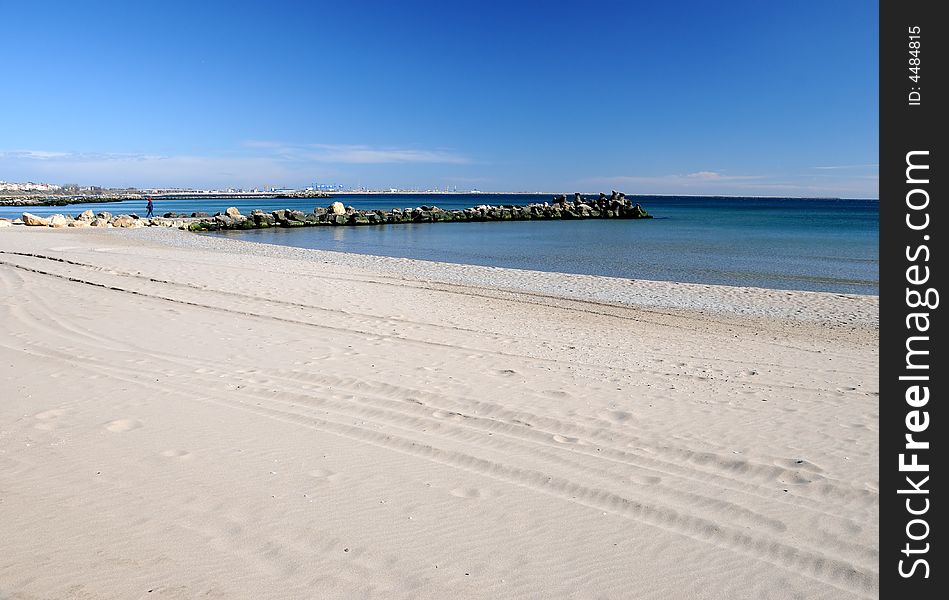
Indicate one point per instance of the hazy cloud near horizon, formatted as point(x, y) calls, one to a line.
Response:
point(354, 153)
point(276, 164)
point(255, 164)
point(860, 185)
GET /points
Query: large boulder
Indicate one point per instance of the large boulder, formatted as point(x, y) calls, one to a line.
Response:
point(5, 223)
point(232, 212)
point(58, 221)
point(99, 222)
point(263, 219)
point(79, 223)
point(127, 222)
point(229, 221)
point(201, 226)
point(104, 215)
point(34, 221)
point(337, 208)
point(87, 215)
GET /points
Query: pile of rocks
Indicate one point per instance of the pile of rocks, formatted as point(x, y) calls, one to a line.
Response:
point(614, 206)
point(89, 219)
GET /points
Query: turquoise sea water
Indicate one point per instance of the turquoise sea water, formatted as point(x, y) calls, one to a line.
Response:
point(781, 243)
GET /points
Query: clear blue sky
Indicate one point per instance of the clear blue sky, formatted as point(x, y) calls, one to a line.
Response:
point(748, 98)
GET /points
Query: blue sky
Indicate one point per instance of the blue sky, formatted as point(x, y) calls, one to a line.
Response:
point(745, 98)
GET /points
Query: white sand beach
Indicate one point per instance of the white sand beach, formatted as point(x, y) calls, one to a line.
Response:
point(185, 417)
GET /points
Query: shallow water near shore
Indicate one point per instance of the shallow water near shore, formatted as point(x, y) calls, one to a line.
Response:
point(816, 245)
point(779, 243)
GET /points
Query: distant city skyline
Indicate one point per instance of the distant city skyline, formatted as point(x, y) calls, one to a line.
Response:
point(737, 98)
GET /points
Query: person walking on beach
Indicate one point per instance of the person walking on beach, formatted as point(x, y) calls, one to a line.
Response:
point(149, 208)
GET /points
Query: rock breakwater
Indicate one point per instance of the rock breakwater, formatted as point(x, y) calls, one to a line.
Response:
point(614, 206)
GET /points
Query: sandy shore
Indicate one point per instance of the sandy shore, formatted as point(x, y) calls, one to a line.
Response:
point(187, 417)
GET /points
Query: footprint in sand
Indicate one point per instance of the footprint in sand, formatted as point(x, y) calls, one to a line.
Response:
point(121, 425)
point(798, 464)
point(326, 475)
point(179, 454)
point(564, 439)
point(468, 492)
point(645, 479)
point(47, 419)
point(799, 471)
point(50, 414)
point(853, 425)
point(620, 416)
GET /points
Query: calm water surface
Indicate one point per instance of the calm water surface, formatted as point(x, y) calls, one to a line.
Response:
point(781, 243)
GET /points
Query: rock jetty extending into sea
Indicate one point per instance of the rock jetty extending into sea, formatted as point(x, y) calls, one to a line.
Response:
point(89, 219)
point(614, 206)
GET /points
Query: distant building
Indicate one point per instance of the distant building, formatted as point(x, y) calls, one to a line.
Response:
point(29, 186)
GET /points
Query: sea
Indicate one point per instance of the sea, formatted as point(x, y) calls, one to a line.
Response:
point(826, 245)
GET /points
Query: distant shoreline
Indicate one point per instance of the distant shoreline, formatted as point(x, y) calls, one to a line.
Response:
point(29, 200)
point(54, 201)
point(65, 201)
